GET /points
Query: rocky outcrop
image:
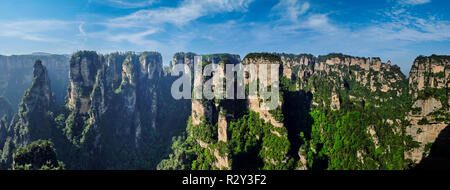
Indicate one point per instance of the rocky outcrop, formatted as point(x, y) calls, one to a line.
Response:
point(428, 85)
point(34, 119)
point(117, 105)
point(82, 74)
point(335, 101)
point(254, 102)
point(430, 112)
point(16, 75)
point(36, 102)
point(185, 59)
point(332, 82)
point(222, 127)
point(203, 108)
point(297, 66)
point(216, 111)
point(123, 86)
point(426, 136)
point(431, 72)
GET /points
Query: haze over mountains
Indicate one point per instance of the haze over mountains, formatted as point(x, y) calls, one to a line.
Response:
point(16, 75)
point(336, 112)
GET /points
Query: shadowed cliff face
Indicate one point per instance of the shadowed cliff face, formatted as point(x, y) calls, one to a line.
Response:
point(439, 153)
point(296, 108)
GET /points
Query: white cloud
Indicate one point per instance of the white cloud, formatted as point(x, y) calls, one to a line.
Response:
point(136, 38)
point(187, 11)
point(291, 9)
point(404, 26)
point(296, 17)
point(126, 4)
point(34, 30)
point(81, 29)
point(318, 20)
point(414, 2)
point(141, 25)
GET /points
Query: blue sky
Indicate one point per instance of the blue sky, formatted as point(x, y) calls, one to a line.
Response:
point(396, 30)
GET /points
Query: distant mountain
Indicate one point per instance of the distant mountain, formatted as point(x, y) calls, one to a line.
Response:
point(40, 53)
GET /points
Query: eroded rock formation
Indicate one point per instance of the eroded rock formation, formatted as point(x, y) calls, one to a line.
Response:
point(430, 112)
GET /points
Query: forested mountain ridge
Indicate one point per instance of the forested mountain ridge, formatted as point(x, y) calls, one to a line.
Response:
point(336, 112)
point(110, 115)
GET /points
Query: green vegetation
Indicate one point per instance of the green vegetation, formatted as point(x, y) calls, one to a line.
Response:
point(365, 128)
point(39, 155)
point(272, 57)
point(297, 57)
point(423, 121)
point(251, 139)
point(346, 143)
point(333, 55)
point(188, 155)
point(6, 109)
point(182, 55)
point(205, 132)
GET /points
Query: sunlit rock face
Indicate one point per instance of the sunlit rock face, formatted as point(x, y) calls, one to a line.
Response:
point(428, 85)
point(431, 72)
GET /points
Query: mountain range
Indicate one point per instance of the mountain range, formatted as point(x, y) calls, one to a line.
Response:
point(115, 111)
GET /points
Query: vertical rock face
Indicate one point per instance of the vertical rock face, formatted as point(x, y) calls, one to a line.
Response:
point(118, 93)
point(16, 75)
point(33, 121)
point(429, 72)
point(117, 111)
point(254, 103)
point(209, 109)
point(335, 83)
point(296, 65)
point(150, 79)
point(82, 74)
point(39, 96)
point(215, 112)
point(338, 69)
point(37, 101)
point(335, 102)
point(428, 85)
point(222, 127)
point(185, 59)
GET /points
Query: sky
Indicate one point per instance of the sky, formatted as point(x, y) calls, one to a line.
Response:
point(396, 30)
